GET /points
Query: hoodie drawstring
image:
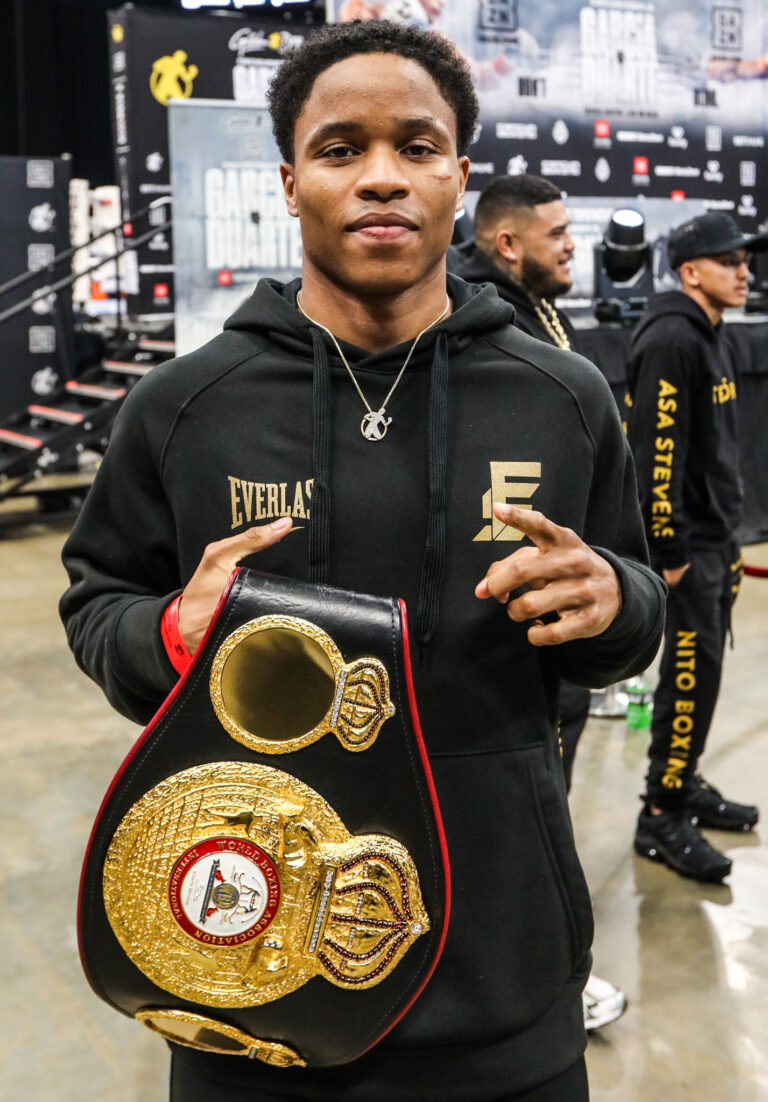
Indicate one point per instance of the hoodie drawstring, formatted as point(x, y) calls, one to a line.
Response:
point(428, 610)
point(434, 548)
point(320, 512)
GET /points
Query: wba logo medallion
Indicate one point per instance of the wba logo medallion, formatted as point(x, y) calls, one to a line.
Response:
point(225, 891)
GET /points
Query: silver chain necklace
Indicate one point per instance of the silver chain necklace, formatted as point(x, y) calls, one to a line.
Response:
point(375, 423)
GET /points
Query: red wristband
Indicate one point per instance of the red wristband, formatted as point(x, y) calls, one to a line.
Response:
point(175, 647)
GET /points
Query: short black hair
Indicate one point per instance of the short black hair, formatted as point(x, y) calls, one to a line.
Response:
point(506, 193)
point(292, 83)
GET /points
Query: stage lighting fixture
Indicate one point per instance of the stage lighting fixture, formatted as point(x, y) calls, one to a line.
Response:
point(757, 296)
point(623, 268)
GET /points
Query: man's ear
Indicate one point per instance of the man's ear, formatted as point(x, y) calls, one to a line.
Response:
point(463, 174)
point(689, 274)
point(506, 243)
point(289, 189)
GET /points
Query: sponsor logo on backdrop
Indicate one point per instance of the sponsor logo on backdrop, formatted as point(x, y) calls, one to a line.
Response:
point(251, 75)
point(121, 113)
point(747, 206)
point(154, 162)
point(747, 173)
point(159, 243)
point(640, 137)
point(754, 141)
point(476, 133)
point(44, 381)
point(602, 170)
point(726, 31)
point(483, 168)
point(118, 33)
point(42, 218)
point(39, 256)
point(42, 338)
point(719, 204)
point(602, 135)
point(517, 166)
point(39, 174)
point(640, 171)
point(517, 131)
point(43, 301)
point(560, 168)
point(691, 171)
point(677, 195)
point(704, 97)
point(712, 173)
point(118, 61)
point(157, 215)
point(713, 138)
point(560, 132)
point(172, 77)
point(533, 87)
point(677, 138)
point(497, 21)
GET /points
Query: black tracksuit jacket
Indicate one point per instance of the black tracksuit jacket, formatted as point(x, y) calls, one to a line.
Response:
point(683, 429)
point(222, 438)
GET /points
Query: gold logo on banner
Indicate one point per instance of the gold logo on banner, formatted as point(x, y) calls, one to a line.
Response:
point(510, 483)
point(279, 683)
point(172, 78)
point(231, 884)
point(118, 32)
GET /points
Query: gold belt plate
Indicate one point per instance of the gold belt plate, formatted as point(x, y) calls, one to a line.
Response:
point(279, 683)
point(231, 884)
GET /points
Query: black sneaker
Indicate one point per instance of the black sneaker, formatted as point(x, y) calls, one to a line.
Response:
point(709, 808)
point(672, 839)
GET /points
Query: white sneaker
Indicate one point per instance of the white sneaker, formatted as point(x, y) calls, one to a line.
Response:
point(603, 1003)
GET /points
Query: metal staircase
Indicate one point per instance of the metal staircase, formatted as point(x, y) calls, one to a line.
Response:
point(50, 436)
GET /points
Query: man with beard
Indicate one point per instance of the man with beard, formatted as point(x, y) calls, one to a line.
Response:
point(522, 247)
point(399, 408)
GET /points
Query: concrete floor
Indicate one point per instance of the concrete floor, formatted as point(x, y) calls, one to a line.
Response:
point(692, 959)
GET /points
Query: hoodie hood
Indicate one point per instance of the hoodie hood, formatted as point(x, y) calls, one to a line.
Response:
point(676, 303)
point(272, 311)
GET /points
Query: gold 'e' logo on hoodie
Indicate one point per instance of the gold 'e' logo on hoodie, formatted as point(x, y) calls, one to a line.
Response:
point(510, 483)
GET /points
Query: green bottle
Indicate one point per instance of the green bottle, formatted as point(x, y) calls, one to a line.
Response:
point(639, 703)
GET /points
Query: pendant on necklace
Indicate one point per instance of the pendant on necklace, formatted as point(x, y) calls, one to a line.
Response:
point(374, 425)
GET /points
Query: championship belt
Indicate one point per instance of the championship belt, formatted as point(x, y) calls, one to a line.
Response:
point(267, 875)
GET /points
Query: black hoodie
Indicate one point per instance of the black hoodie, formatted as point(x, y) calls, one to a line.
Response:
point(683, 429)
point(223, 438)
point(479, 268)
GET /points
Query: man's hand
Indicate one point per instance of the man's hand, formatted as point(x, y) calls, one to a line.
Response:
point(673, 577)
point(564, 575)
point(205, 587)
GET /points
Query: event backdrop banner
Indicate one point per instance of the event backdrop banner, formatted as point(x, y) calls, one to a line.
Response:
point(34, 227)
point(613, 97)
point(229, 213)
point(156, 57)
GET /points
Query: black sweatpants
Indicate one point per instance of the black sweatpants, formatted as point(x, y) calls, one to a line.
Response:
point(698, 621)
point(574, 712)
point(188, 1086)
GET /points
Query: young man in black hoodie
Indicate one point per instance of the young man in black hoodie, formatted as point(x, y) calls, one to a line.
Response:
point(303, 411)
point(683, 429)
point(523, 248)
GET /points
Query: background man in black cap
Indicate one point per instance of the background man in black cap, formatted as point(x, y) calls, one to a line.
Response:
point(683, 427)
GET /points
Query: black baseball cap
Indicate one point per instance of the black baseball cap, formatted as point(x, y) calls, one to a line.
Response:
point(709, 235)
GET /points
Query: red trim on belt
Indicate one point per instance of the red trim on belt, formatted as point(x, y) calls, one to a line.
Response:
point(175, 647)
